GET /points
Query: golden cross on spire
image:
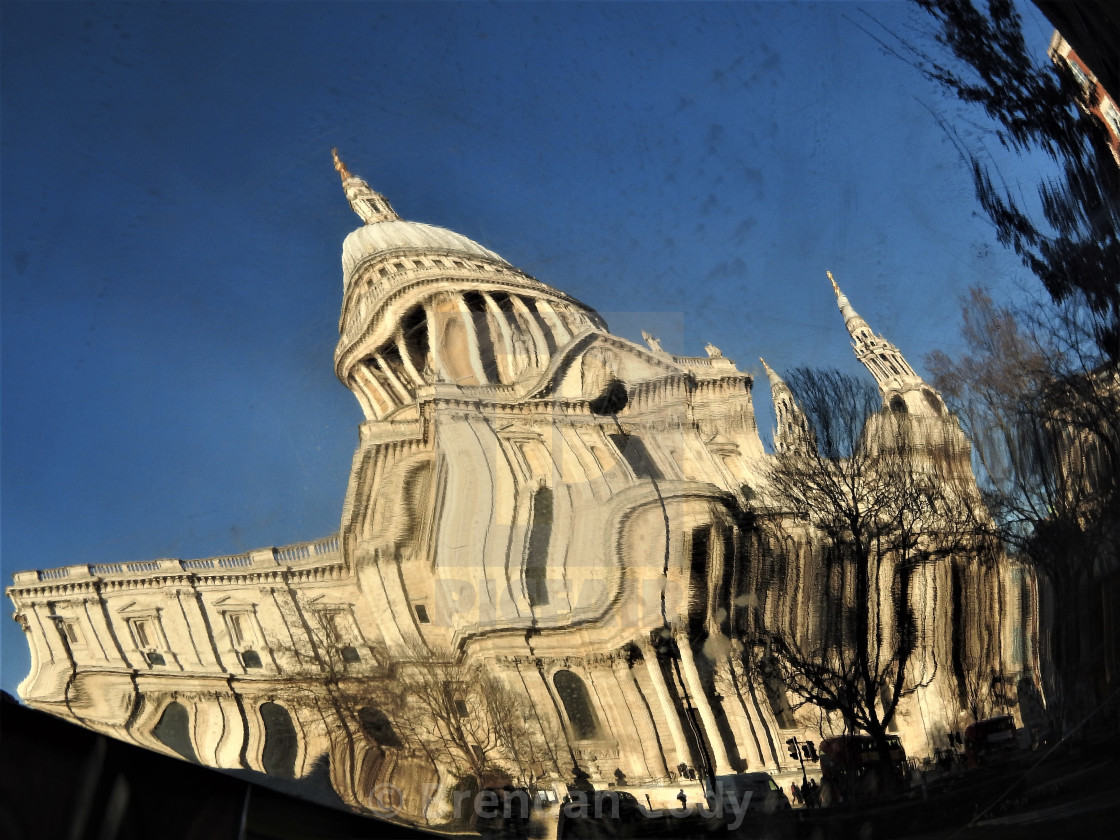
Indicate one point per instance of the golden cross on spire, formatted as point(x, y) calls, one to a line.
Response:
point(835, 288)
point(340, 166)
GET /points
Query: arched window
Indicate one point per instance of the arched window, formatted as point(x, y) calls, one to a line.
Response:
point(898, 405)
point(174, 731)
point(280, 741)
point(577, 704)
point(540, 534)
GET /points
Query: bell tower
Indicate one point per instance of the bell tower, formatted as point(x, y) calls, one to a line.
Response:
point(902, 389)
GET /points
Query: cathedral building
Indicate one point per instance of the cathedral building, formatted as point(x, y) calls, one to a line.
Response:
point(532, 496)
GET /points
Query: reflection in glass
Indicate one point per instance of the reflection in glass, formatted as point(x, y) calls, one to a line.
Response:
point(564, 563)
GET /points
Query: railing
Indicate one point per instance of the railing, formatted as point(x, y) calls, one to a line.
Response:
point(325, 549)
point(296, 552)
point(143, 566)
point(702, 362)
point(234, 561)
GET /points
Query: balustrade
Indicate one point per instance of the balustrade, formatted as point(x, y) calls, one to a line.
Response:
point(325, 549)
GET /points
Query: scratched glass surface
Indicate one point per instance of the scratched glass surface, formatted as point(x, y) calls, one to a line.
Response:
point(592, 576)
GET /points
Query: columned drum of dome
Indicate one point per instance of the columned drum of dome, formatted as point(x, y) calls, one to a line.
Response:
point(424, 305)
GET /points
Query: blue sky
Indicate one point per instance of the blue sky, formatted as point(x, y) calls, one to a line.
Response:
point(172, 224)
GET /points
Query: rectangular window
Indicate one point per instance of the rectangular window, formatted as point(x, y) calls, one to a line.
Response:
point(421, 613)
point(250, 659)
point(141, 630)
point(71, 630)
point(237, 629)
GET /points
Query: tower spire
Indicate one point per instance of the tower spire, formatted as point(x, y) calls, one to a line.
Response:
point(852, 321)
point(892, 372)
point(371, 206)
point(792, 433)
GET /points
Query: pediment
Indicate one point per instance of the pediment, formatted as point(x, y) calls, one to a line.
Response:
point(586, 366)
point(517, 431)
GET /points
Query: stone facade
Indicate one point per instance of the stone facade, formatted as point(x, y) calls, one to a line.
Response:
point(528, 492)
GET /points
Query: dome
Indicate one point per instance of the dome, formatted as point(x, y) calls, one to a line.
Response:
point(425, 305)
point(399, 235)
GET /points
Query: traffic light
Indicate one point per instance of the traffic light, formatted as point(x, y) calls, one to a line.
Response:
point(792, 742)
point(810, 751)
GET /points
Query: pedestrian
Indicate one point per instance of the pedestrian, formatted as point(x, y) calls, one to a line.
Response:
point(795, 792)
point(682, 799)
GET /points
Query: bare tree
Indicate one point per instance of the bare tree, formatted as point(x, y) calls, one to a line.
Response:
point(1071, 242)
point(882, 508)
point(1043, 413)
point(466, 718)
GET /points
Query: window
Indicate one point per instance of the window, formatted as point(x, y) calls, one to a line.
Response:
point(1111, 116)
point(349, 654)
point(421, 613)
point(237, 629)
point(577, 705)
point(461, 707)
point(174, 731)
point(243, 637)
point(540, 535)
point(70, 628)
point(148, 639)
point(141, 629)
point(1078, 75)
point(281, 742)
point(250, 659)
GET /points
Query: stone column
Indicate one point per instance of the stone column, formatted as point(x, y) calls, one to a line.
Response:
point(645, 730)
point(433, 342)
point(46, 634)
point(406, 359)
point(472, 340)
point(540, 344)
point(96, 630)
point(707, 716)
point(507, 358)
point(402, 392)
point(558, 328)
point(672, 716)
point(376, 391)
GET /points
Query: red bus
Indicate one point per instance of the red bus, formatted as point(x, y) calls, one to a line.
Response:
point(989, 736)
point(852, 768)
